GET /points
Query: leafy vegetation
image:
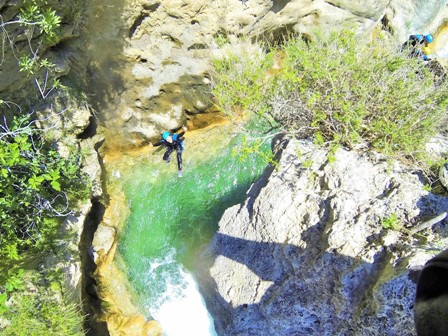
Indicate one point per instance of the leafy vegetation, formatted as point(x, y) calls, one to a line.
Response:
point(241, 82)
point(340, 90)
point(36, 184)
point(391, 222)
point(38, 311)
point(36, 15)
point(41, 27)
point(249, 147)
point(38, 189)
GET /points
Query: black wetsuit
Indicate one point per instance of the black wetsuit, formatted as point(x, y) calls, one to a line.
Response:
point(176, 145)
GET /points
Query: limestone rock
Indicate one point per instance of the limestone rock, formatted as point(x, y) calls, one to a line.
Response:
point(132, 326)
point(103, 241)
point(443, 175)
point(308, 252)
point(92, 166)
point(438, 149)
point(63, 118)
point(145, 55)
point(69, 259)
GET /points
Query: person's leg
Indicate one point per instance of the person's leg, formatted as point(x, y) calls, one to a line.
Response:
point(179, 158)
point(166, 156)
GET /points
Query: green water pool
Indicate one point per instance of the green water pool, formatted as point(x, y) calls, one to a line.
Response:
point(172, 219)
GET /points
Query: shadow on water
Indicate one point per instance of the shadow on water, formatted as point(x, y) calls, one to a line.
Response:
point(185, 211)
point(197, 202)
point(202, 221)
point(172, 219)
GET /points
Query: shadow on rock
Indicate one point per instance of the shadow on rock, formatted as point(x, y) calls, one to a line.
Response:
point(268, 288)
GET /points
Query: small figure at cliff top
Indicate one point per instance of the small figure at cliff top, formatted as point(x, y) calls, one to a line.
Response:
point(173, 142)
point(418, 46)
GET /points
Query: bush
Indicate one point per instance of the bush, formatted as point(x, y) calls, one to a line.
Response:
point(240, 81)
point(343, 91)
point(32, 303)
point(39, 314)
point(36, 188)
point(37, 15)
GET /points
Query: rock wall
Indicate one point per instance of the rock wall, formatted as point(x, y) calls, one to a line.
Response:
point(308, 253)
point(145, 63)
point(64, 115)
point(15, 84)
point(115, 307)
point(149, 60)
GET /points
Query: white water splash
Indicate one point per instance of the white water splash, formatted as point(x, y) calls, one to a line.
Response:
point(180, 308)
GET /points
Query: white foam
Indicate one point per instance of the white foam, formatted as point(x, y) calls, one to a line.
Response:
point(181, 309)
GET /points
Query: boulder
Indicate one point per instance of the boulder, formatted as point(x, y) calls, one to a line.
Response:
point(91, 163)
point(322, 248)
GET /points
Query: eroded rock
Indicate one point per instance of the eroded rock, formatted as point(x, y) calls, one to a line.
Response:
point(145, 56)
point(309, 252)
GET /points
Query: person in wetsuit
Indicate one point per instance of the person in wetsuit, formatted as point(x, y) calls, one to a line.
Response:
point(418, 46)
point(173, 142)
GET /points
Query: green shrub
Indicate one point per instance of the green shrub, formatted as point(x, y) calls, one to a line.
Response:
point(41, 25)
point(38, 188)
point(39, 314)
point(363, 93)
point(341, 90)
point(240, 84)
point(258, 147)
point(391, 222)
point(38, 14)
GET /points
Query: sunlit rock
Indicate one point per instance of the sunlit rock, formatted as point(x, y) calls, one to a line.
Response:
point(443, 175)
point(322, 247)
point(151, 52)
point(324, 257)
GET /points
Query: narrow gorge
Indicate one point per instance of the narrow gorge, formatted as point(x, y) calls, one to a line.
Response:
point(263, 235)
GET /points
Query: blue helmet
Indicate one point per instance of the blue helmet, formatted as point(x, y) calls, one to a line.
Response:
point(165, 135)
point(428, 38)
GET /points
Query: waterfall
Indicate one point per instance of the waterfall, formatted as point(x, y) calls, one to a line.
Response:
point(179, 308)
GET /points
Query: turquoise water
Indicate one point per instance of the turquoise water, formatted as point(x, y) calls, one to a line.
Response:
point(172, 219)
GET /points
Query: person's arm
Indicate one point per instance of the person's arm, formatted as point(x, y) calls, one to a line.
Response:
point(161, 142)
point(184, 128)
